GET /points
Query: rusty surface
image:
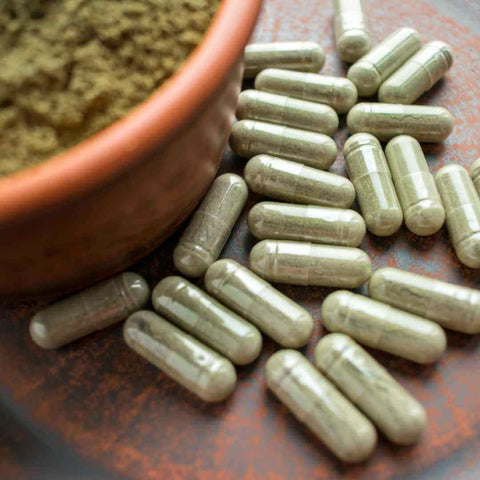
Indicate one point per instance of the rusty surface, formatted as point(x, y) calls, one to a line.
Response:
point(96, 410)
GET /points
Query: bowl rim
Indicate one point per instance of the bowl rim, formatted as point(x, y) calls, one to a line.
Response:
point(123, 144)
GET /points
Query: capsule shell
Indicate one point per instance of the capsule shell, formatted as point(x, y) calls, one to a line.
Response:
point(301, 263)
point(370, 71)
point(371, 388)
point(386, 120)
point(292, 112)
point(475, 174)
point(417, 75)
point(94, 308)
point(180, 356)
point(293, 182)
point(421, 203)
point(270, 310)
point(316, 403)
point(369, 172)
point(378, 325)
point(210, 226)
point(462, 206)
point(337, 92)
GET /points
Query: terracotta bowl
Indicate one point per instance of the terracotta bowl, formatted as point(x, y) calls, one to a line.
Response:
point(97, 208)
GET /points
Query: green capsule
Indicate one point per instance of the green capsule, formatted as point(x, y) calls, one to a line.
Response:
point(475, 174)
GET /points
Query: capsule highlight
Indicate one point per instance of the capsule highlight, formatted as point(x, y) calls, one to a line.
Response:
point(475, 174)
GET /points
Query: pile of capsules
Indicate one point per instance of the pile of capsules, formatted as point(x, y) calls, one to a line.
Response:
point(310, 237)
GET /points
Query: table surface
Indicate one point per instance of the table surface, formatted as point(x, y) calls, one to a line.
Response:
point(95, 409)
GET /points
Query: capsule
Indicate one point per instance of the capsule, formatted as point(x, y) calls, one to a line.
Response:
point(307, 223)
point(370, 71)
point(337, 92)
point(462, 204)
point(301, 263)
point(301, 56)
point(369, 172)
point(475, 174)
point(380, 326)
point(371, 388)
point(417, 75)
point(94, 308)
point(211, 225)
point(270, 310)
point(451, 306)
point(292, 112)
point(421, 204)
point(293, 182)
point(180, 356)
point(351, 30)
point(316, 403)
point(199, 314)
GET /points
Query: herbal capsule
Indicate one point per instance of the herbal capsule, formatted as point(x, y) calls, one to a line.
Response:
point(387, 120)
point(250, 138)
point(381, 61)
point(451, 306)
point(201, 315)
point(371, 388)
point(421, 204)
point(301, 56)
point(462, 204)
point(315, 402)
point(287, 221)
point(269, 107)
point(368, 170)
point(417, 75)
point(301, 263)
point(211, 225)
point(337, 92)
point(180, 356)
point(94, 308)
point(270, 310)
point(475, 174)
point(297, 183)
point(380, 326)
point(351, 30)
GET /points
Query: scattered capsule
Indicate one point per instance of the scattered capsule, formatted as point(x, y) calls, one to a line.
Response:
point(292, 112)
point(475, 174)
point(387, 120)
point(198, 313)
point(297, 183)
point(462, 204)
point(252, 297)
point(369, 172)
point(211, 225)
point(371, 388)
point(301, 56)
point(94, 308)
point(370, 71)
point(337, 92)
point(301, 263)
point(316, 403)
point(417, 75)
point(421, 204)
point(380, 326)
point(180, 356)
point(307, 223)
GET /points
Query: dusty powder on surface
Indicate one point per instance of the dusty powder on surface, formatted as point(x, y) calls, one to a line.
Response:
point(70, 68)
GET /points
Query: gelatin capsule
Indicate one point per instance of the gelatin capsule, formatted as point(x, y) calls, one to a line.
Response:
point(316, 403)
point(210, 226)
point(421, 204)
point(371, 388)
point(301, 263)
point(180, 356)
point(370, 71)
point(202, 316)
point(94, 308)
point(475, 174)
point(252, 297)
point(369, 172)
point(380, 326)
point(293, 182)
